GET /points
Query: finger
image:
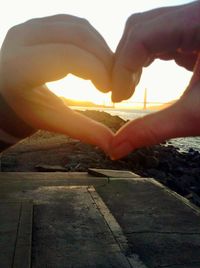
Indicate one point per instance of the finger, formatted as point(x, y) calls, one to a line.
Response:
point(140, 18)
point(46, 111)
point(185, 60)
point(169, 32)
point(175, 121)
point(193, 85)
point(66, 18)
point(44, 63)
point(123, 82)
point(55, 18)
point(74, 31)
point(147, 41)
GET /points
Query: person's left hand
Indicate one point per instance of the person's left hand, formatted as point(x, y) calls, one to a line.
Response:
point(47, 49)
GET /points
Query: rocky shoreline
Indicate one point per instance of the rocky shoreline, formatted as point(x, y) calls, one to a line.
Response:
point(45, 151)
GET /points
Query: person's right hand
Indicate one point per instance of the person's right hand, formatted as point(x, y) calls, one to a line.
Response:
point(166, 33)
point(47, 49)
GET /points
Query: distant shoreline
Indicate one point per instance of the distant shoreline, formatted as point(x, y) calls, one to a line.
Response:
point(88, 104)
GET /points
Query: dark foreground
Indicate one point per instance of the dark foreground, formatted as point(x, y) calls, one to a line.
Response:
point(52, 152)
point(71, 219)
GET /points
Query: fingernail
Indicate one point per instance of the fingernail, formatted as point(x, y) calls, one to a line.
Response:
point(121, 150)
point(136, 78)
point(147, 62)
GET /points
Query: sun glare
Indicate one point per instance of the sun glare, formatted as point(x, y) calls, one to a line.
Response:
point(163, 82)
point(79, 89)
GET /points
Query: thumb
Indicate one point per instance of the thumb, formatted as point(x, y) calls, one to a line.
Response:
point(177, 120)
point(181, 119)
point(41, 109)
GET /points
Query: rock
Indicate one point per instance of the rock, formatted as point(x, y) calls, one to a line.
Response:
point(151, 162)
point(114, 122)
point(157, 174)
point(194, 172)
point(191, 151)
point(165, 165)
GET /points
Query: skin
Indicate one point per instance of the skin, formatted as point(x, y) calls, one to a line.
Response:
point(48, 49)
point(165, 33)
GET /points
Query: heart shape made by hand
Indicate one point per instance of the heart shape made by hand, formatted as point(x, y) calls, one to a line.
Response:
point(47, 49)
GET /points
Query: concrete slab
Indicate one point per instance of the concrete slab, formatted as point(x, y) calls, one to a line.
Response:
point(69, 231)
point(15, 233)
point(110, 173)
point(162, 229)
point(15, 183)
point(126, 222)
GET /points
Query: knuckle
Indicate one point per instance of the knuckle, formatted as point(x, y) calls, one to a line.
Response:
point(134, 28)
point(55, 18)
point(30, 21)
point(133, 20)
point(13, 35)
point(13, 30)
point(62, 16)
point(136, 34)
point(84, 34)
point(84, 21)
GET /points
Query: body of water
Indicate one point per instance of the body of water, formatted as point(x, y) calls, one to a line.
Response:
point(183, 143)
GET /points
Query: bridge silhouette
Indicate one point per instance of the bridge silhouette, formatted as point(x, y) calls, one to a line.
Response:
point(145, 103)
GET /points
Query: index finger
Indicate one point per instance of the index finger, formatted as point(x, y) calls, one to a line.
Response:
point(137, 47)
point(64, 29)
point(143, 30)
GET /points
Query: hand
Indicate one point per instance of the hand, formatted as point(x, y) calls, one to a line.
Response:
point(172, 33)
point(47, 49)
point(165, 33)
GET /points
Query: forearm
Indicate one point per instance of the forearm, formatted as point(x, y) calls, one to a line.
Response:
point(12, 128)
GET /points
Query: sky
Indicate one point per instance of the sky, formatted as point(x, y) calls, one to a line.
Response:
point(164, 80)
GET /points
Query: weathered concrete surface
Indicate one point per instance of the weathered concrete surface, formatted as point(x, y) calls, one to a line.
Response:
point(17, 183)
point(70, 230)
point(15, 234)
point(160, 228)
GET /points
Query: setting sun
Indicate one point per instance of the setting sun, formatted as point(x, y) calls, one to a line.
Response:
point(78, 89)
